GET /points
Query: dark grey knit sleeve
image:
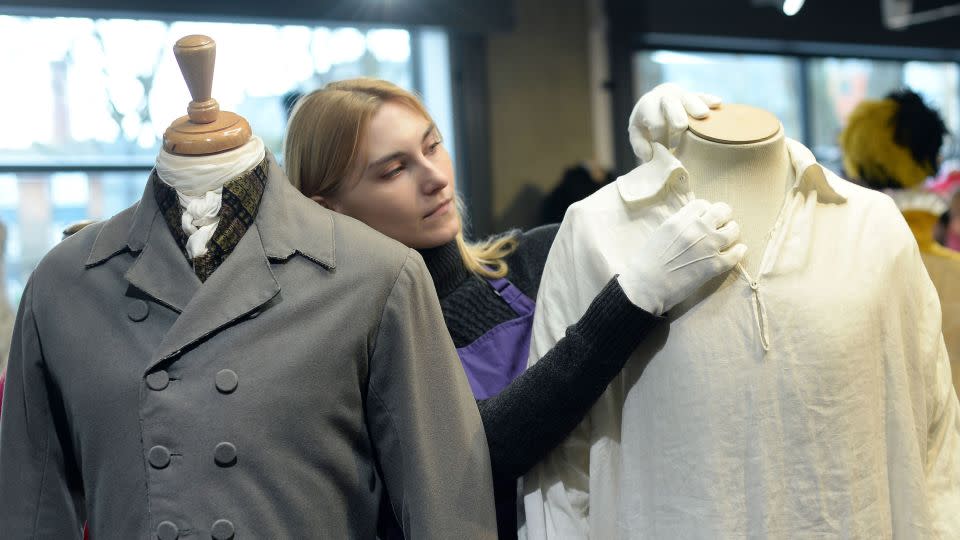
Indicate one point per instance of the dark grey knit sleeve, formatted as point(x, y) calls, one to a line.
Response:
point(543, 405)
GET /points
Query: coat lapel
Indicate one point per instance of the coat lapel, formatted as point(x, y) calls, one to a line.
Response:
point(243, 283)
point(287, 224)
point(161, 270)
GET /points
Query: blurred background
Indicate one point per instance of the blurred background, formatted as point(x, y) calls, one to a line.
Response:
point(532, 95)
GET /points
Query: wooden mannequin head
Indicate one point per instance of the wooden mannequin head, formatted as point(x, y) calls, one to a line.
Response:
point(205, 129)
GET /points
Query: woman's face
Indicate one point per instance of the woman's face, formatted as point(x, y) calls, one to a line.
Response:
point(405, 188)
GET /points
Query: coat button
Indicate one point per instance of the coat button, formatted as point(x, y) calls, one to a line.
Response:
point(225, 454)
point(138, 310)
point(222, 530)
point(167, 530)
point(158, 380)
point(159, 457)
point(226, 381)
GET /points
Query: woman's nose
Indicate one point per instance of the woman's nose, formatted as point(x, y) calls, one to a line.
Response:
point(433, 178)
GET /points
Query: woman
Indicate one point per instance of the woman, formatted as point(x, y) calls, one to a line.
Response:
point(369, 149)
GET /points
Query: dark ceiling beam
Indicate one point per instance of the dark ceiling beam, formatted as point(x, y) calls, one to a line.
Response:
point(857, 22)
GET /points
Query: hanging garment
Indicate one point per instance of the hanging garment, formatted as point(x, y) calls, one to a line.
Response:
point(812, 400)
point(269, 401)
point(498, 356)
point(921, 211)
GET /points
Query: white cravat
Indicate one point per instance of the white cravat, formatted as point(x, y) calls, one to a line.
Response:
point(198, 181)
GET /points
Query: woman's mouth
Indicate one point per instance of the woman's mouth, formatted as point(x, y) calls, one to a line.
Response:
point(440, 209)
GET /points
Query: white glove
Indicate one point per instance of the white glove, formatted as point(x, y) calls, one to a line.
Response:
point(691, 247)
point(661, 116)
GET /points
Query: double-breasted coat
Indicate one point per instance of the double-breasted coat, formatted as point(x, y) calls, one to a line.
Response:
point(309, 375)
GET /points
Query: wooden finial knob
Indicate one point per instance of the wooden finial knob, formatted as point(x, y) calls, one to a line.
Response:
point(206, 129)
point(196, 56)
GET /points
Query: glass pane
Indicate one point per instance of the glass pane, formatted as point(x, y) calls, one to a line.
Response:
point(766, 81)
point(36, 208)
point(837, 85)
point(104, 90)
point(436, 92)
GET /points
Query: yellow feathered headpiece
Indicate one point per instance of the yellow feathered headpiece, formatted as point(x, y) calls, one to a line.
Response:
point(870, 151)
point(893, 142)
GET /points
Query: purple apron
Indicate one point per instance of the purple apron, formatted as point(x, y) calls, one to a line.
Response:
point(496, 358)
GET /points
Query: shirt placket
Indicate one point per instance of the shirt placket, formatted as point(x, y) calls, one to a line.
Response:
point(771, 253)
point(769, 256)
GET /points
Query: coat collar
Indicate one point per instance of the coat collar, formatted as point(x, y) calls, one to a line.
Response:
point(240, 287)
point(287, 223)
point(647, 180)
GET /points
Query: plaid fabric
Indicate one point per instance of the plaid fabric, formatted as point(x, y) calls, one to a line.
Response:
point(241, 200)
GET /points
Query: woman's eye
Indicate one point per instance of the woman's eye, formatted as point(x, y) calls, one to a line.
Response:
point(393, 172)
point(433, 147)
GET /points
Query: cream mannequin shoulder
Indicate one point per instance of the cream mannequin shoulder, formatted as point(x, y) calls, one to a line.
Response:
point(738, 155)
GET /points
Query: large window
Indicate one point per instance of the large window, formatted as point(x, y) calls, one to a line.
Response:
point(812, 97)
point(84, 114)
point(838, 85)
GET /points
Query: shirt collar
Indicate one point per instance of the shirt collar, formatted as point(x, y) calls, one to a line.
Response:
point(664, 169)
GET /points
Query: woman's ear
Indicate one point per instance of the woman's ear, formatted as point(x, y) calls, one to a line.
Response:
point(326, 203)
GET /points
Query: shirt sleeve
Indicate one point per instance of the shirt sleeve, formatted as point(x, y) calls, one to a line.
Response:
point(423, 420)
point(943, 451)
point(942, 464)
point(557, 490)
point(39, 495)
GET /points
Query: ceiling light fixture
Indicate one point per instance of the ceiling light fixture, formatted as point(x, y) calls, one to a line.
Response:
point(792, 7)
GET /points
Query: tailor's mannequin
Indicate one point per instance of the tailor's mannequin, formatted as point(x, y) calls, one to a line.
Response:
point(738, 155)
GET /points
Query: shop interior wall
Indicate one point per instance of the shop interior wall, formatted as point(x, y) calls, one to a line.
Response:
point(540, 115)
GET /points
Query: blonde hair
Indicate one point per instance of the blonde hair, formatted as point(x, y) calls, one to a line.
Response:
point(323, 148)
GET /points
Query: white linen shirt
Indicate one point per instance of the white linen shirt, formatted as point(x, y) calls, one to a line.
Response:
point(812, 401)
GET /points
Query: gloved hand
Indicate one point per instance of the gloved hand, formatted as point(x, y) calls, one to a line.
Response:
point(691, 247)
point(661, 116)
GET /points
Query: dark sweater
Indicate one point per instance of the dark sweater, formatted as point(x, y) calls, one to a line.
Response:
point(541, 407)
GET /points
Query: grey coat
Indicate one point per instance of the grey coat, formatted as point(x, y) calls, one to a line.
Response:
point(310, 374)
